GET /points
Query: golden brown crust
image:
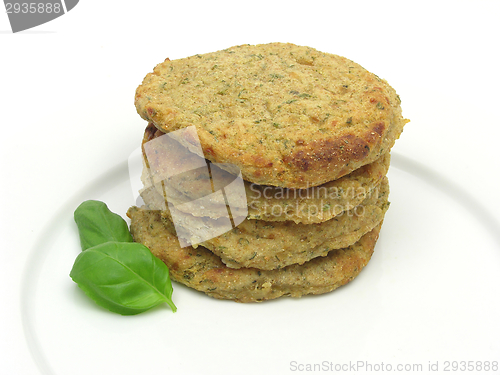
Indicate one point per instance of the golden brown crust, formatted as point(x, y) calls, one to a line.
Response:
point(202, 270)
point(286, 115)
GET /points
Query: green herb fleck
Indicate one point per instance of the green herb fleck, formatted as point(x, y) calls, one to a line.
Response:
point(243, 241)
point(214, 135)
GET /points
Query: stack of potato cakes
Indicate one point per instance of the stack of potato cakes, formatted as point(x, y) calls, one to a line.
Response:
point(307, 134)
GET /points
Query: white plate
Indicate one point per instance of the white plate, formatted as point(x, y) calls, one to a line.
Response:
point(430, 293)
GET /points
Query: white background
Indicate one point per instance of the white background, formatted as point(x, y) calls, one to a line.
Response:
point(67, 115)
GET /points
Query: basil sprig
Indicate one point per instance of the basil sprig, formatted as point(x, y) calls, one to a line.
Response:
point(117, 273)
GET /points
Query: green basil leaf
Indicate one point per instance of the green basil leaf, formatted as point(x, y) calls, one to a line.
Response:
point(123, 277)
point(97, 224)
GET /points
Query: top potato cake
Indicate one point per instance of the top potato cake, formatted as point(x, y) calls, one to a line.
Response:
point(286, 115)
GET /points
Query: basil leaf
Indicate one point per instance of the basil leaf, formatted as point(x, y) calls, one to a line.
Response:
point(123, 277)
point(97, 224)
